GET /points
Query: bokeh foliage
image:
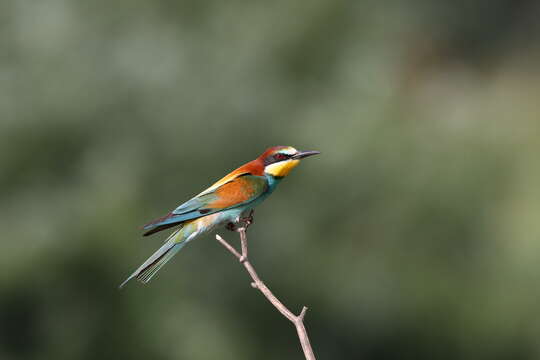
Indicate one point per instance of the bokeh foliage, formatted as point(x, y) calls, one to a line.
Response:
point(414, 236)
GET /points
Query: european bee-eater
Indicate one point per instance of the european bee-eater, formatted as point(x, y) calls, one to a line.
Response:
point(224, 203)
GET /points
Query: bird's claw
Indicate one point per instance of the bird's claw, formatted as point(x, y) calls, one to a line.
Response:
point(243, 222)
point(231, 226)
point(247, 220)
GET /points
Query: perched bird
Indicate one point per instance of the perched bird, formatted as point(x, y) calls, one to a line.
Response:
point(224, 203)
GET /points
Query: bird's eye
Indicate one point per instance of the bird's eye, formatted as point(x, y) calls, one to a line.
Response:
point(280, 157)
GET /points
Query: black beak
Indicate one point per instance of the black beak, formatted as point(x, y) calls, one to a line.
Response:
point(303, 154)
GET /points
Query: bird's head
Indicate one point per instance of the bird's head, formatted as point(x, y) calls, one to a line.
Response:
point(280, 160)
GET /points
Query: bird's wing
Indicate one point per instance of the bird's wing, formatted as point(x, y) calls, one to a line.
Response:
point(229, 192)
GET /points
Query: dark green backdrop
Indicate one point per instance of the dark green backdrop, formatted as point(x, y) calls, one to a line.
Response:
point(414, 236)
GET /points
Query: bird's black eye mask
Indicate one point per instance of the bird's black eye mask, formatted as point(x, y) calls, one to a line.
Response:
point(276, 158)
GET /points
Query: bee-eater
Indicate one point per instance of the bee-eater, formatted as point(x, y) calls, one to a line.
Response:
point(224, 203)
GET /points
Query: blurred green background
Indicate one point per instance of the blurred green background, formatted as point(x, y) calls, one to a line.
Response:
point(414, 236)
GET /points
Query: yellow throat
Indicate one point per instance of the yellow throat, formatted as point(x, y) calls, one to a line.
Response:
point(282, 168)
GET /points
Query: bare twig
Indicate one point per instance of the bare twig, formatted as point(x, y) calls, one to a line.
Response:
point(297, 320)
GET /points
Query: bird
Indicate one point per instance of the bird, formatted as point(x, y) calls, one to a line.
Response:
point(227, 202)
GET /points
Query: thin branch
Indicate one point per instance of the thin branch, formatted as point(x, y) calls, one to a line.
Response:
point(229, 247)
point(297, 320)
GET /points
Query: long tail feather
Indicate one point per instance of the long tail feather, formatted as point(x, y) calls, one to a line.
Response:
point(151, 266)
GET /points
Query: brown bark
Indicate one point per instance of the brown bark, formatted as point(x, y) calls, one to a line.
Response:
point(297, 320)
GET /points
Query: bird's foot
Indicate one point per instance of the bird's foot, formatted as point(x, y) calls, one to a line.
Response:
point(243, 222)
point(231, 226)
point(247, 220)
